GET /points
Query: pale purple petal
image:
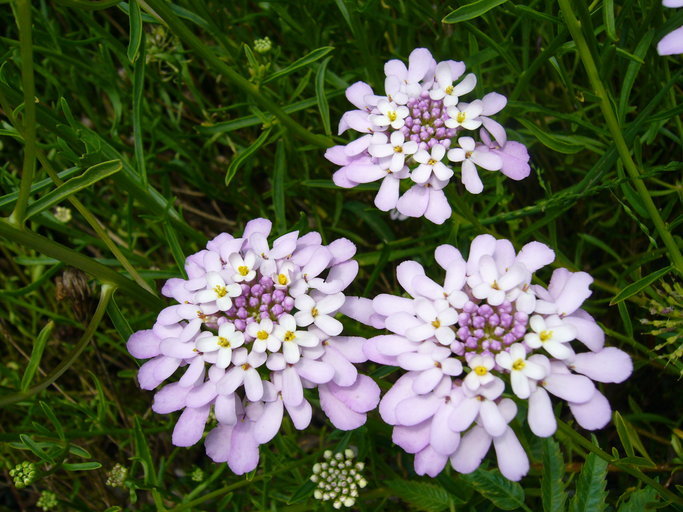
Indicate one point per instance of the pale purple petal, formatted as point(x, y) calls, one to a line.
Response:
point(429, 462)
point(672, 43)
point(170, 398)
point(268, 424)
point(143, 344)
point(361, 397)
point(569, 387)
point(218, 443)
point(414, 202)
point(190, 426)
point(414, 438)
point(244, 453)
point(338, 412)
point(471, 451)
point(608, 365)
point(541, 417)
point(593, 414)
point(512, 459)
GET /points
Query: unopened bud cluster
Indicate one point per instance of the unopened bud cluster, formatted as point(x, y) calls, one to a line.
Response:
point(338, 478)
point(263, 45)
point(23, 474)
point(117, 476)
point(47, 501)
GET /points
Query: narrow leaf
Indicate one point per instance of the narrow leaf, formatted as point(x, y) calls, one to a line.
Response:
point(176, 248)
point(303, 492)
point(555, 142)
point(53, 419)
point(143, 454)
point(472, 10)
point(639, 285)
point(36, 355)
point(590, 487)
point(300, 63)
point(323, 106)
point(81, 466)
point(244, 155)
point(135, 18)
point(89, 177)
point(279, 178)
point(493, 486)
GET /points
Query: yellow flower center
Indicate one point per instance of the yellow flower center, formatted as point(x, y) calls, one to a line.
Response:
point(221, 291)
point(398, 149)
point(480, 370)
point(468, 154)
point(436, 323)
point(431, 161)
point(391, 115)
point(223, 342)
point(449, 89)
point(460, 117)
point(289, 336)
point(262, 335)
point(519, 365)
point(282, 279)
point(314, 312)
point(545, 335)
point(243, 270)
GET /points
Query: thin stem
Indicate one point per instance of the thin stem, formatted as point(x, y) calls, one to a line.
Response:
point(70, 257)
point(626, 468)
point(28, 84)
point(163, 11)
point(105, 295)
point(613, 124)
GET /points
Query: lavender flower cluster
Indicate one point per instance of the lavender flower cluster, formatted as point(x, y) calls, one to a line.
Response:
point(254, 326)
point(418, 130)
point(462, 342)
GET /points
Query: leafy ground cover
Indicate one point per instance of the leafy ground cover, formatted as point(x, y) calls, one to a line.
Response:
point(152, 127)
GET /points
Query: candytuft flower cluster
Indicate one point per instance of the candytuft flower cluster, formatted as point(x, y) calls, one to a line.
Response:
point(254, 325)
point(423, 130)
point(484, 329)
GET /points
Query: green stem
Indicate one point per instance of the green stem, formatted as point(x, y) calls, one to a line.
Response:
point(162, 9)
point(613, 124)
point(105, 294)
point(626, 468)
point(70, 257)
point(28, 84)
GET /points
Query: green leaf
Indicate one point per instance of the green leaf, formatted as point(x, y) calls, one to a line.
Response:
point(244, 155)
point(471, 11)
point(420, 495)
point(53, 419)
point(120, 323)
point(79, 452)
point(135, 30)
point(303, 492)
point(143, 454)
point(639, 501)
point(81, 466)
point(639, 285)
point(323, 106)
point(370, 217)
point(36, 355)
point(553, 494)
point(300, 63)
point(29, 443)
point(279, 178)
point(559, 143)
point(89, 177)
point(493, 486)
point(175, 247)
point(630, 439)
point(608, 18)
point(590, 487)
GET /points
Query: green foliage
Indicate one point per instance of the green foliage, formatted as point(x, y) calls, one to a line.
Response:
point(143, 112)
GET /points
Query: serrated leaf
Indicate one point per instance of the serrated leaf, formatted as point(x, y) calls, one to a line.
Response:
point(300, 63)
point(245, 155)
point(472, 10)
point(36, 355)
point(421, 495)
point(553, 494)
point(639, 285)
point(493, 486)
point(639, 500)
point(590, 486)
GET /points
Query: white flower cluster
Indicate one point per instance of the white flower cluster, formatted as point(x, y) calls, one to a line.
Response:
point(338, 478)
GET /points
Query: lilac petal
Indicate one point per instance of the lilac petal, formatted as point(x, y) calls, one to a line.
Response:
point(175, 288)
point(593, 414)
point(342, 249)
point(438, 210)
point(481, 245)
point(259, 225)
point(575, 291)
point(373, 354)
point(170, 398)
point(535, 255)
point(464, 414)
point(396, 68)
point(253, 385)
point(416, 409)
point(608, 365)
point(541, 417)
point(190, 426)
point(672, 43)
point(201, 395)
point(487, 160)
point(429, 462)
point(218, 443)
point(442, 438)
point(225, 411)
point(588, 331)
point(470, 178)
point(231, 381)
point(350, 347)
point(357, 92)
point(301, 414)
point(147, 374)
point(358, 120)
point(268, 424)
point(570, 387)
point(292, 390)
point(672, 3)
point(364, 173)
point(425, 287)
point(315, 371)
point(362, 396)
point(515, 160)
point(172, 347)
point(491, 418)
point(401, 322)
point(344, 372)
point(400, 391)
point(358, 308)
point(143, 344)
point(414, 202)
point(388, 193)
point(447, 255)
point(419, 63)
point(493, 103)
point(427, 380)
point(337, 155)
point(405, 273)
point(341, 180)
point(412, 439)
point(512, 459)
point(471, 451)
point(339, 413)
point(338, 278)
point(244, 453)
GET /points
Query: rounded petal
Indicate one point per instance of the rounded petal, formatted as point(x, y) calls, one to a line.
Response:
point(570, 387)
point(608, 365)
point(269, 422)
point(388, 193)
point(218, 443)
point(438, 210)
point(416, 409)
point(143, 344)
point(429, 462)
point(491, 418)
point(512, 459)
point(170, 398)
point(244, 452)
point(541, 417)
point(593, 414)
point(414, 438)
point(442, 439)
point(338, 412)
point(414, 202)
point(672, 43)
point(361, 397)
point(301, 414)
point(470, 178)
point(471, 451)
point(190, 426)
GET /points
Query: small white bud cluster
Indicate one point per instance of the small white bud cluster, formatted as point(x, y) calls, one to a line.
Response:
point(338, 478)
point(263, 45)
point(116, 477)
